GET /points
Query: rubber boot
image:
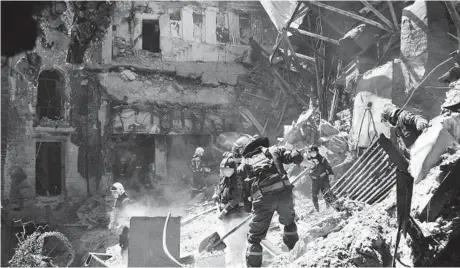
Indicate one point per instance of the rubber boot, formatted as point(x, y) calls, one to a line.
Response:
point(290, 236)
point(315, 203)
point(254, 255)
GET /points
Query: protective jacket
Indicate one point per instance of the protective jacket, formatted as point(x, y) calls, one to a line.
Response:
point(196, 165)
point(272, 192)
point(406, 127)
point(264, 168)
point(231, 188)
point(119, 213)
point(320, 168)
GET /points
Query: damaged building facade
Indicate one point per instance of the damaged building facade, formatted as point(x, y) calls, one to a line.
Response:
point(162, 82)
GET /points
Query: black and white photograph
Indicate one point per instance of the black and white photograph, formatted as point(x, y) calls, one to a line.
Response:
point(259, 133)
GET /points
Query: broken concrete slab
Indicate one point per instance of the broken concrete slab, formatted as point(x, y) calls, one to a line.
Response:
point(359, 39)
point(164, 91)
point(451, 122)
point(326, 129)
point(427, 149)
point(128, 75)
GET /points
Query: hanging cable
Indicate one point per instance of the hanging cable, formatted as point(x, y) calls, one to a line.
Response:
point(165, 248)
point(424, 79)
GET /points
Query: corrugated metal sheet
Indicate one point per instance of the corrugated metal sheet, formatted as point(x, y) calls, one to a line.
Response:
point(370, 178)
point(280, 12)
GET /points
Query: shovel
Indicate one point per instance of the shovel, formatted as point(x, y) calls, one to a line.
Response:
point(215, 242)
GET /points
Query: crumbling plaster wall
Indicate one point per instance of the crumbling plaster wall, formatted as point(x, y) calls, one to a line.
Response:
point(22, 135)
point(165, 104)
point(204, 31)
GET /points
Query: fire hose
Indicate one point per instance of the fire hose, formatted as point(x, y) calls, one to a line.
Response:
point(165, 247)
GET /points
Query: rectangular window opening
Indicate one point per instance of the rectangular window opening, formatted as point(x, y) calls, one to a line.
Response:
point(48, 169)
point(151, 35)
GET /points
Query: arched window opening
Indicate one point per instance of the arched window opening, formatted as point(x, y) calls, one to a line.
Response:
point(50, 95)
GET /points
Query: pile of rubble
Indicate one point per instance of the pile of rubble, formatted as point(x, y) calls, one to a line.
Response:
point(354, 235)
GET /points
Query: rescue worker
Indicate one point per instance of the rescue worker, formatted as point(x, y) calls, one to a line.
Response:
point(198, 170)
point(231, 206)
point(408, 126)
point(271, 190)
point(320, 172)
point(119, 218)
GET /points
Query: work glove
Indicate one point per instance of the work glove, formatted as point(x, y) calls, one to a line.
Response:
point(297, 157)
point(331, 177)
point(222, 214)
point(421, 125)
point(242, 168)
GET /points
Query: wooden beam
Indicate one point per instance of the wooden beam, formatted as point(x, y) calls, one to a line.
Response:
point(378, 14)
point(301, 12)
point(317, 36)
point(285, 87)
point(351, 15)
point(453, 13)
point(304, 57)
point(393, 14)
point(328, 22)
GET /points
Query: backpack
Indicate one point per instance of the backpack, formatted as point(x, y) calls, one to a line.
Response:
point(260, 172)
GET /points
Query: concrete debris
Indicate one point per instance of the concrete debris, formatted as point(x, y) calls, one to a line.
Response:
point(356, 235)
point(344, 122)
point(128, 75)
point(326, 129)
point(95, 212)
point(427, 149)
point(337, 143)
point(424, 190)
point(451, 122)
point(452, 97)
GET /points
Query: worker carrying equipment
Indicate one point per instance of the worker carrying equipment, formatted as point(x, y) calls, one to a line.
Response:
point(271, 191)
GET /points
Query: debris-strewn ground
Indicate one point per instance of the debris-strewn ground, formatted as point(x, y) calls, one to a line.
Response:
point(358, 235)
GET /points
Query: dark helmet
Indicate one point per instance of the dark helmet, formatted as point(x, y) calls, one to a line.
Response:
point(313, 148)
point(389, 112)
point(264, 142)
point(240, 144)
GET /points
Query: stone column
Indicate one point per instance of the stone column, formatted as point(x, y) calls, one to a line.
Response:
point(210, 25)
point(165, 25)
point(234, 27)
point(161, 156)
point(107, 46)
point(186, 14)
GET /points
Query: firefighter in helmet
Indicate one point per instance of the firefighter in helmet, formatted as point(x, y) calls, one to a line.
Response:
point(320, 173)
point(408, 126)
point(271, 190)
point(119, 219)
point(230, 196)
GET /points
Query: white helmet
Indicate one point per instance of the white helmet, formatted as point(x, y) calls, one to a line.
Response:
point(199, 151)
point(118, 188)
